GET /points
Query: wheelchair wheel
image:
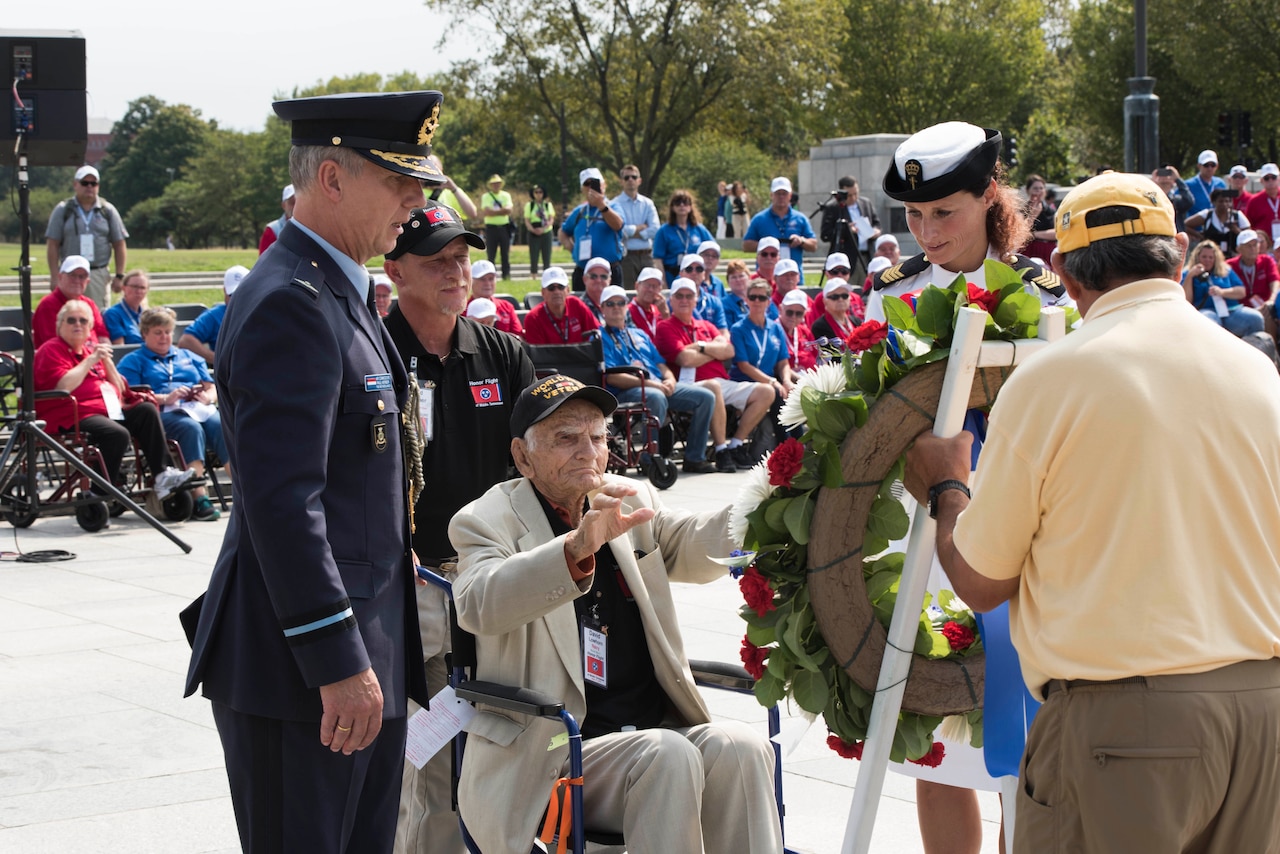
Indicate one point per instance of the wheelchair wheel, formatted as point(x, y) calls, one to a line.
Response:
point(662, 472)
point(116, 508)
point(18, 511)
point(93, 516)
point(179, 506)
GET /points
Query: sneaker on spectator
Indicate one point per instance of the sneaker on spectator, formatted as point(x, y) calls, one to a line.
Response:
point(699, 466)
point(170, 479)
point(743, 457)
point(724, 461)
point(205, 511)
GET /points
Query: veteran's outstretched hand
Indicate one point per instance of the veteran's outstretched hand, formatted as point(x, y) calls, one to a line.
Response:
point(931, 460)
point(604, 520)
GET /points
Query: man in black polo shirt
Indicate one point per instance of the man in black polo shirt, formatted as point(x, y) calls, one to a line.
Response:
point(469, 375)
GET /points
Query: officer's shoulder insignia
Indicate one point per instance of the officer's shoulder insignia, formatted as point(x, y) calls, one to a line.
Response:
point(305, 285)
point(912, 266)
point(1039, 275)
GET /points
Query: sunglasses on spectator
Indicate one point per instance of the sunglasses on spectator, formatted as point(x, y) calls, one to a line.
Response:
point(554, 287)
point(838, 272)
point(88, 183)
point(838, 296)
point(698, 269)
point(604, 276)
point(681, 204)
point(683, 295)
point(795, 314)
point(631, 177)
point(769, 254)
point(758, 297)
point(77, 321)
point(1270, 177)
point(616, 303)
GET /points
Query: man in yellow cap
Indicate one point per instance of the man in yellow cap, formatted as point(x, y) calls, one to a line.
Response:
point(496, 203)
point(1127, 510)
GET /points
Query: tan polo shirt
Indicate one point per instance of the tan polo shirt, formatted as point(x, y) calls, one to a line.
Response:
point(1131, 479)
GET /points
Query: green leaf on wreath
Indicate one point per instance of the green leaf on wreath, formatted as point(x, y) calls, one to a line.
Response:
point(830, 468)
point(888, 518)
point(914, 345)
point(975, 724)
point(898, 314)
point(810, 691)
point(867, 374)
point(998, 275)
point(774, 513)
point(834, 419)
point(1018, 308)
point(810, 398)
point(769, 689)
point(873, 545)
point(799, 516)
point(894, 475)
point(929, 642)
point(760, 636)
point(959, 285)
point(933, 312)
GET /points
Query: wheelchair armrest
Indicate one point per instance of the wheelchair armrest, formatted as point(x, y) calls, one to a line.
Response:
point(721, 674)
point(523, 700)
point(50, 394)
point(634, 370)
point(140, 387)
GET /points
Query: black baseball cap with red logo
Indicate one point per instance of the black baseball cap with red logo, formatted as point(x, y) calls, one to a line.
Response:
point(430, 229)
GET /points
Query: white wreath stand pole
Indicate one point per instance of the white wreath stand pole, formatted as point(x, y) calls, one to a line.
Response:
point(968, 353)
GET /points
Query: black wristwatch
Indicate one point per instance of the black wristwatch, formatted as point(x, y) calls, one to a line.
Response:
point(938, 488)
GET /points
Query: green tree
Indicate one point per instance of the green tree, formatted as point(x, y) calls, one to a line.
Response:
point(166, 139)
point(702, 162)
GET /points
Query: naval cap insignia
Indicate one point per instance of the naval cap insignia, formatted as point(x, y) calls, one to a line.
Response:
point(913, 170)
point(429, 125)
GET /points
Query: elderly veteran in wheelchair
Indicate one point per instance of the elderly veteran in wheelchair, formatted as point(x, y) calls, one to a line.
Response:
point(564, 579)
point(75, 362)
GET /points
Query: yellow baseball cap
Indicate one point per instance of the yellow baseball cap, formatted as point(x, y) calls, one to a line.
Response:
point(1110, 189)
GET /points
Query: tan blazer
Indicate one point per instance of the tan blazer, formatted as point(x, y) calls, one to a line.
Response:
point(514, 592)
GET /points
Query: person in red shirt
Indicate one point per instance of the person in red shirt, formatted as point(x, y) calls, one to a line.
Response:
point(560, 318)
point(1238, 179)
point(801, 352)
point(273, 229)
point(698, 350)
point(73, 278)
point(648, 307)
point(1256, 269)
point(1263, 210)
point(484, 281)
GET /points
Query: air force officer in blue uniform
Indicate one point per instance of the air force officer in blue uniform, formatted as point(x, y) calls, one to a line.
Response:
point(307, 640)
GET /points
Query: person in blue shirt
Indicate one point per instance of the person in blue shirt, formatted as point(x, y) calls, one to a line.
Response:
point(185, 391)
point(681, 235)
point(791, 228)
point(1203, 184)
point(625, 345)
point(710, 252)
point(201, 337)
point(593, 229)
point(1208, 276)
point(708, 307)
point(760, 346)
point(122, 318)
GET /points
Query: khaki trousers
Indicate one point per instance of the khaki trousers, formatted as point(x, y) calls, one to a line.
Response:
point(1185, 763)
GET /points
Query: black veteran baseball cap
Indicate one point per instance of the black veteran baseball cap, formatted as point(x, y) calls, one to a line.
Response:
point(941, 160)
point(391, 129)
point(547, 395)
point(429, 229)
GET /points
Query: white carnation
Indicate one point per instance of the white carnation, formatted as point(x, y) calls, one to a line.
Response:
point(828, 378)
point(752, 494)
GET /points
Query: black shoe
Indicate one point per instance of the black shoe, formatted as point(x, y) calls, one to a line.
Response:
point(743, 458)
point(724, 461)
point(699, 466)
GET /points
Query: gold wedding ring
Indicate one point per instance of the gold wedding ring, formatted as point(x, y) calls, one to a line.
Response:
point(344, 728)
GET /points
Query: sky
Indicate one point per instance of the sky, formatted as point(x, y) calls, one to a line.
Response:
point(228, 58)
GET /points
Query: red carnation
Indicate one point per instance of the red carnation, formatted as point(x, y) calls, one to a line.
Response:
point(753, 658)
point(984, 299)
point(960, 637)
point(933, 758)
point(844, 748)
point(866, 336)
point(756, 590)
point(784, 462)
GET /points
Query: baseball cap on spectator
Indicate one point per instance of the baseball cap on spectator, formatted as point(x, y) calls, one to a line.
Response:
point(780, 183)
point(786, 265)
point(1269, 169)
point(77, 262)
point(767, 243)
point(545, 396)
point(590, 172)
point(941, 160)
point(796, 297)
point(1154, 211)
point(683, 284)
point(480, 308)
point(708, 246)
point(834, 285)
point(381, 282)
point(232, 278)
point(1247, 235)
point(837, 259)
point(86, 171)
point(495, 178)
point(430, 229)
point(482, 268)
point(649, 273)
point(877, 264)
point(689, 260)
point(554, 276)
point(610, 292)
point(1239, 170)
point(597, 262)
point(884, 239)
point(287, 193)
point(1207, 156)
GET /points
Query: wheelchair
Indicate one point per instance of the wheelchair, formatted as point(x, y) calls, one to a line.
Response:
point(63, 490)
point(527, 701)
point(633, 430)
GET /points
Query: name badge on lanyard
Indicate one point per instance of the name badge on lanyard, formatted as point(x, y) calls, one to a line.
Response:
point(595, 650)
point(426, 401)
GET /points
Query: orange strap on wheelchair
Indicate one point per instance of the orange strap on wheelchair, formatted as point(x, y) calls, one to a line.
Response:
point(559, 809)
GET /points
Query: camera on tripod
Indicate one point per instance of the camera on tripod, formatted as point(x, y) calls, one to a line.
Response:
point(840, 195)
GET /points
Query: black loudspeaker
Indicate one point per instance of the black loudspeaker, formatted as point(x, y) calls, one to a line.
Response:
point(49, 110)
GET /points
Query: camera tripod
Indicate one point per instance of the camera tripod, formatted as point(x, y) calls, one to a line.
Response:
point(842, 232)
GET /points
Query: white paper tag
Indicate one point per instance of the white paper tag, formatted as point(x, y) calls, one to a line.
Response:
point(584, 250)
point(595, 657)
point(433, 728)
point(426, 407)
point(114, 410)
point(792, 732)
point(688, 374)
point(784, 251)
point(86, 247)
point(1220, 306)
point(864, 228)
point(1275, 232)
